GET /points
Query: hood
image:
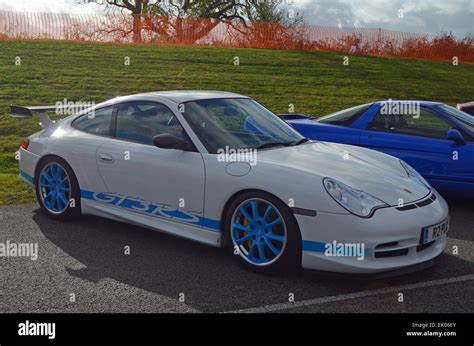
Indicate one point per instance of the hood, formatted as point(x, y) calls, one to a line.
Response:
point(376, 173)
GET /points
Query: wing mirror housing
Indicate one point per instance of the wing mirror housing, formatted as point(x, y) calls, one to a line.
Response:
point(169, 141)
point(456, 136)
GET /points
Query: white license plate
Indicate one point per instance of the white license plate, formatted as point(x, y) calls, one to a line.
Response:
point(434, 232)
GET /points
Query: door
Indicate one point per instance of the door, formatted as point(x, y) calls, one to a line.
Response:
point(140, 177)
point(421, 140)
point(81, 148)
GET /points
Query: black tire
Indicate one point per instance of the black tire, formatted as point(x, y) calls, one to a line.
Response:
point(73, 208)
point(290, 258)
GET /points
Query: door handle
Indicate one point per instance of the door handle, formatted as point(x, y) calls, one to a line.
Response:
point(106, 158)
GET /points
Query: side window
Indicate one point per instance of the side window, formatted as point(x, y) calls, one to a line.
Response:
point(345, 117)
point(427, 124)
point(98, 122)
point(142, 121)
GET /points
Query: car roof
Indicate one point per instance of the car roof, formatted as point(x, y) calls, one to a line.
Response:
point(180, 96)
point(422, 103)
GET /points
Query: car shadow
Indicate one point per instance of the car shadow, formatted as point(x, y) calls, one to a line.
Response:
point(209, 277)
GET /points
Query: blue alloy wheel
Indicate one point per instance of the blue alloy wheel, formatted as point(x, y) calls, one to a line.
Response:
point(258, 230)
point(55, 188)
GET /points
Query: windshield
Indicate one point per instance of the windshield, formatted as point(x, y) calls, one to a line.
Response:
point(345, 117)
point(237, 123)
point(464, 118)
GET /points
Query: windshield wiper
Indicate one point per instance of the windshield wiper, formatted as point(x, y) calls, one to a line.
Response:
point(273, 144)
point(301, 141)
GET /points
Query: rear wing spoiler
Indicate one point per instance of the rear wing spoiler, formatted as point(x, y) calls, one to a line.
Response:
point(294, 116)
point(27, 112)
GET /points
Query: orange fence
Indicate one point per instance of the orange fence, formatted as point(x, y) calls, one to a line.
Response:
point(154, 29)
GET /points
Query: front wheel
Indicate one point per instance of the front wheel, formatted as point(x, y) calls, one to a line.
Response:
point(263, 232)
point(57, 189)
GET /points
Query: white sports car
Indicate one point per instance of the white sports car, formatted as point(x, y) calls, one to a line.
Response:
point(221, 169)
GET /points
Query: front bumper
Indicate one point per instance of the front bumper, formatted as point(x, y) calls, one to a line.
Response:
point(390, 239)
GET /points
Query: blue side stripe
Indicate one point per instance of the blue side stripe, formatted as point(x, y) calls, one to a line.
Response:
point(211, 224)
point(87, 194)
point(27, 177)
point(315, 246)
point(148, 208)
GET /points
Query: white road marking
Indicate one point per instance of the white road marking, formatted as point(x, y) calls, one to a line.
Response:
point(342, 297)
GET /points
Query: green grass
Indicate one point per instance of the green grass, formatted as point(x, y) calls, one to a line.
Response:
point(315, 83)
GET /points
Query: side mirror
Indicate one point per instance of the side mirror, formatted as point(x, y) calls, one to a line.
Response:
point(168, 141)
point(456, 136)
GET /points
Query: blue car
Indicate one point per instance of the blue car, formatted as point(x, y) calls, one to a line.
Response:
point(434, 138)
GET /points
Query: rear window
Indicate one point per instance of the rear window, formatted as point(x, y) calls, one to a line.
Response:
point(345, 117)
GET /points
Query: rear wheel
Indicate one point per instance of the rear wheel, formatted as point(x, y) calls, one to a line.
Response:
point(263, 232)
point(57, 189)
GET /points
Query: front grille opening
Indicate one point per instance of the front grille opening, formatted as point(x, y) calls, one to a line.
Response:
point(407, 207)
point(421, 204)
point(424, 203)
point(384, 245)
point(392, 253)
point(424, 246)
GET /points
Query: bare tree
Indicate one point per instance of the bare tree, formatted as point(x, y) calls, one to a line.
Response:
point(178, 15)
point(136, 7)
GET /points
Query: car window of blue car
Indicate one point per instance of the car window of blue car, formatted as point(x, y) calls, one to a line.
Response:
point(97, 122)
point(464, 118)
point(345, 117)
point(425, 123)
point(142, 121)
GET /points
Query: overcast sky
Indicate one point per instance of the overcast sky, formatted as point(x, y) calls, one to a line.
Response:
point(422, 16)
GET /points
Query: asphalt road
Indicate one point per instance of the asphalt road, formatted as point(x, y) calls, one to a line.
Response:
point(87, 258)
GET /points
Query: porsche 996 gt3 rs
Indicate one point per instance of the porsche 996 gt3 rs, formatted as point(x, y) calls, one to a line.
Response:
point(158, 160)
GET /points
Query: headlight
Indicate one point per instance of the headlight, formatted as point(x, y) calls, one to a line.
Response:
point(355, 201)
point(412, 173)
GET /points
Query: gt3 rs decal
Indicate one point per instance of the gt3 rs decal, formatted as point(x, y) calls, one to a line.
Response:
point(159, 210)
